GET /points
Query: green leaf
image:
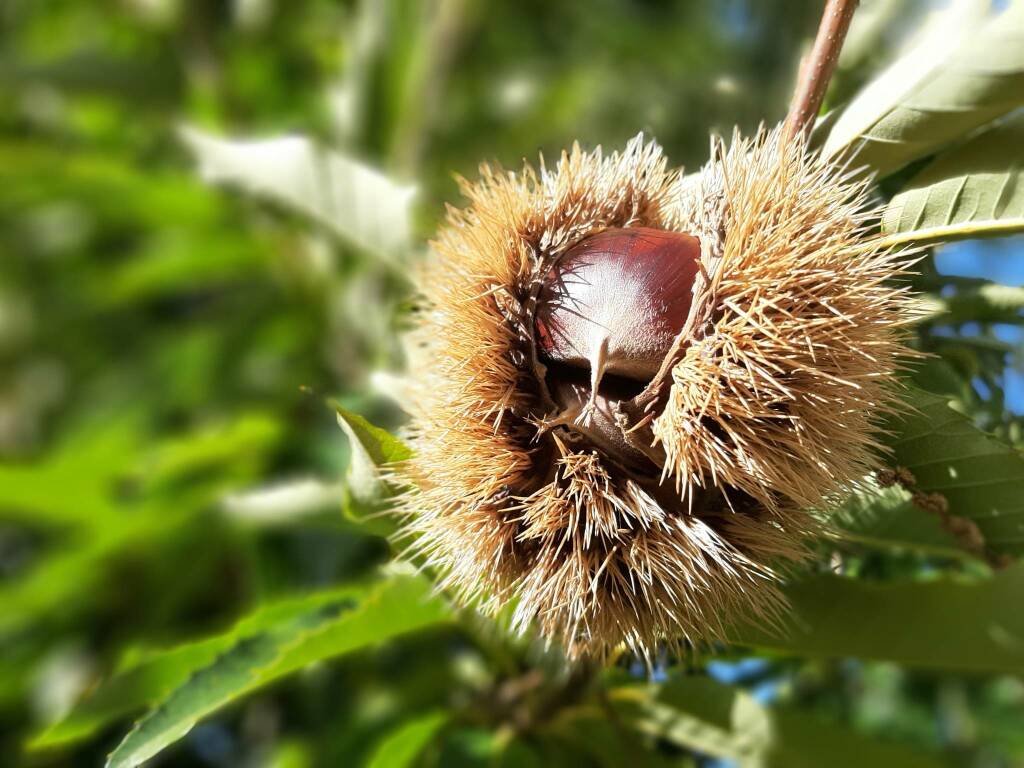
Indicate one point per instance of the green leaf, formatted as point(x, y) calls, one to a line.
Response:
point(519, 753)
point(77, 492)
point(401, 747)
point(284, 502)
point(374, 446)
point(707, 725)
point(870, 42)
point(367, 492)
point(396, 606)
point(74, 575)
point(147, 675)
point(975, 190)
point(471, 746)
point(352, 200)
point(982, 303)
point(234, 672)
point(698, 713)
point(75, 483)
point(979, 476)
point(886, 518)
point(176, 262)
point(71, 485)
point(585, 728)
point(119, 193)
point(971, 626)
point(966, 71)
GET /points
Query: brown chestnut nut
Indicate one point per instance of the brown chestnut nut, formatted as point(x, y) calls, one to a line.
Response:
point(571, 392)
point(616, 301)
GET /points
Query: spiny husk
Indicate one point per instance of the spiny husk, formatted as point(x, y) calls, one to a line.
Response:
point(780, 398)
point(771, 411)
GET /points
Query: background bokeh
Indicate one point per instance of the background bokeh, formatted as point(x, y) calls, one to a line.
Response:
point(167, 347)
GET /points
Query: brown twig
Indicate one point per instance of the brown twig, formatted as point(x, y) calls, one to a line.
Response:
point(816, 71)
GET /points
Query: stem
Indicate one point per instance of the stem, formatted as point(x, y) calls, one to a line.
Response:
point(816, 71)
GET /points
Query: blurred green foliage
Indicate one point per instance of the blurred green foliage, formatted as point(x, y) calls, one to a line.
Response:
point(171, 469)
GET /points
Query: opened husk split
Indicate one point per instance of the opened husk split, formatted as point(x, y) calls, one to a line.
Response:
point(613, 500)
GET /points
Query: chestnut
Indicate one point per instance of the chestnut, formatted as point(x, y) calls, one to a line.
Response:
point(593, 414)
point(615, 302)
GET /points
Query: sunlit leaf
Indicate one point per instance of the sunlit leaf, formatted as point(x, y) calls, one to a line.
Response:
point(71, 485)
point(234, 672)
point(74, 484)
point(699, 714)
point(396, 606)
point(401, 747)
point(870, 40)
point(373, 446)
point(366, 490)
point(118, 193)
point(351, 199)
point(976, 190)
point(975, 476)
point(700, 727)
point(284, 502)
point(148, 675)
point(886, 518)
point(965, 71)
point(982, 303)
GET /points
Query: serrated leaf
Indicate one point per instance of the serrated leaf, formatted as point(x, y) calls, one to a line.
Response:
point(979, 475)
point(231, 674)
point(398, 605)
point(965, 72)
point(975, 190)
point(700, 714)
point(147, 675)
point(356, 202)
point(886, 518)
point(969, 626)
point(401, 747)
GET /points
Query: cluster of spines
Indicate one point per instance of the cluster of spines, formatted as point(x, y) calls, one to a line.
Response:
point(771, 410)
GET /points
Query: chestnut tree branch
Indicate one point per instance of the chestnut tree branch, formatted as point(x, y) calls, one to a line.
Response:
point(816, 71)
